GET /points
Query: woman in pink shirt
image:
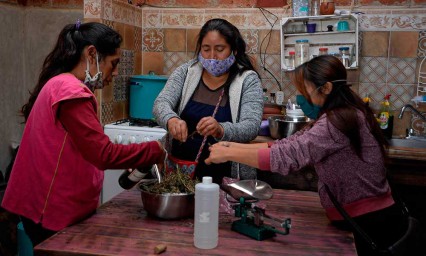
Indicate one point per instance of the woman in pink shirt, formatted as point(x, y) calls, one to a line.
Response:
point(57, 176)
point(346, 147)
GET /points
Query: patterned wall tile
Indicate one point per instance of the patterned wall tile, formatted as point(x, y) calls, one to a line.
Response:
point(421, 50)
point(121, 88)
point(376, 91)
point(373, 69)
point(408, 19)
point(109, 23)
point(251, 37)
point(401, 94)
point(152, 40)
point(272, 64)
point(183, 18)
point(151, 18)
point(289, 90)
point(375, 21)
point(401, 70)
point(394, 20)
point(107, 10)
point(137, 39)
point(107, 113)
point(92, 8)
point(123, 12)
point(127, 61)
point(239, 17)
point(138, 18)
point(172, 60)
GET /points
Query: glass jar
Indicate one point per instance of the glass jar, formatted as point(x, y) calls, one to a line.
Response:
point(302, 51)
point(291, 60)
point(323, 51)
point(327, 7)
point(344, 53)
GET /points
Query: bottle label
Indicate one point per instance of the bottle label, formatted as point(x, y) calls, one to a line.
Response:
point(136, 175)
point(384, 120)
point(204, 217)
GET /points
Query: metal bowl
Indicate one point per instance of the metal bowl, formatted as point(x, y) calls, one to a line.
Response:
point(168, 206)
point(281, 126)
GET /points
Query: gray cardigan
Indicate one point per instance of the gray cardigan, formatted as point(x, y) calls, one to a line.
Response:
point(246, 102)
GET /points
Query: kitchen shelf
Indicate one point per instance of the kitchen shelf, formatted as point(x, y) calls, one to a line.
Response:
point(294, 28)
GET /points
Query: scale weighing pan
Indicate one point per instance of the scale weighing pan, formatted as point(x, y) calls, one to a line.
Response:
point(248, 189)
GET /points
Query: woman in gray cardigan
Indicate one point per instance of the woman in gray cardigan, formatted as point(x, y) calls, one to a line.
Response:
point(220, 80)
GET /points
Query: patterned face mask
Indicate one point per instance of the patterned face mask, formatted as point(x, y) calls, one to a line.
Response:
point(217, 67)
point(94, 82)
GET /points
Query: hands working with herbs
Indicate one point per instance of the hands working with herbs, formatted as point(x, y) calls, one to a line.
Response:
point(207, 126)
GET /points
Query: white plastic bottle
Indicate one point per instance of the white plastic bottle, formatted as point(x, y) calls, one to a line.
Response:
point(206, 216)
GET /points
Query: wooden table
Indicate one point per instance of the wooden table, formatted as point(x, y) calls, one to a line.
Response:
point(122, 227)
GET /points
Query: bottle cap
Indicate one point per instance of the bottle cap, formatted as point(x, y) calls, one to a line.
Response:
point(302, 41)
point(291, 53)
point(207, 180)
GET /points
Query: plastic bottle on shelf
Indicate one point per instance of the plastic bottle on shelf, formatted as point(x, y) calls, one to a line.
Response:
point(129, 178)
point(206, 215)
point(291, 60)
point(302, 51)
point(344, 54)
point(322, 51)
point(315, 8)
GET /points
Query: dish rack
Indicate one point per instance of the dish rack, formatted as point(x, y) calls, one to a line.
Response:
point(421, 83)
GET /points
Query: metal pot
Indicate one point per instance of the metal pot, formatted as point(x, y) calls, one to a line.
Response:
point(281, 126)
point(168, 206)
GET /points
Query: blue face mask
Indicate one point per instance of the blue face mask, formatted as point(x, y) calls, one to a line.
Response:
point(217, 67)
point(310, 110)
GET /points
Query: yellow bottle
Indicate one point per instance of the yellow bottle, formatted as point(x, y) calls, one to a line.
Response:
point(386, 117)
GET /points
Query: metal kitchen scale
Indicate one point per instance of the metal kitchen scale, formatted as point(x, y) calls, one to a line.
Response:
point(247, 193)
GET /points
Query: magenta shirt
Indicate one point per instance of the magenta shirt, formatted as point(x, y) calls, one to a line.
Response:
point(57, 176)
point(360, 185)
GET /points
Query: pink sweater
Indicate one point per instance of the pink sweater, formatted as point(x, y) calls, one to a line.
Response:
point(360, 185)
point(57, 176)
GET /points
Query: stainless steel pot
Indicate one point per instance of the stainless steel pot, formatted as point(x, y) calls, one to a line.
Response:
point(168, 206)
point(281, 126)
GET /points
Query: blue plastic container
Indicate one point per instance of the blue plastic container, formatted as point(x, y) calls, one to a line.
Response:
point(144, 89)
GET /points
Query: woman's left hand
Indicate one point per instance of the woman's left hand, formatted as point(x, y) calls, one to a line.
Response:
point(209, 126)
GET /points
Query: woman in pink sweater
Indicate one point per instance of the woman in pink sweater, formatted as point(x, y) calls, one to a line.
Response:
point(57, 176)
point(344, 144)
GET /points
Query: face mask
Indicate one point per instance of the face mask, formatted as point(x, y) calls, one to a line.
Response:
point(217, 67)
point(94, 82)
point(310, 110)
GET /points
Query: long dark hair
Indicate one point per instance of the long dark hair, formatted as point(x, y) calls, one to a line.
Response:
point(234, 38)
point(342, 103)
point(67, 53)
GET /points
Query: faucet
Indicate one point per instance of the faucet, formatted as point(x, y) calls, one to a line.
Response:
point(413, 109)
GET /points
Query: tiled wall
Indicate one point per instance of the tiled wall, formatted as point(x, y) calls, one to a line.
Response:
point(163, 37)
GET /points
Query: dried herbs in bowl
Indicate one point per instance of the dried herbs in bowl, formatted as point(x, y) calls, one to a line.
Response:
point(173, 198)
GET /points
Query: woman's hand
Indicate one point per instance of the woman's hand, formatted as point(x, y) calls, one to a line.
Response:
point(218, 153)
point(178, 129)
point(209, 126)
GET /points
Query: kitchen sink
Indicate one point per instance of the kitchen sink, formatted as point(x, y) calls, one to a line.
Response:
point(411, 142)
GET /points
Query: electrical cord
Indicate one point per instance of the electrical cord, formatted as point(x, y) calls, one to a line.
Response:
point(268, 35)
